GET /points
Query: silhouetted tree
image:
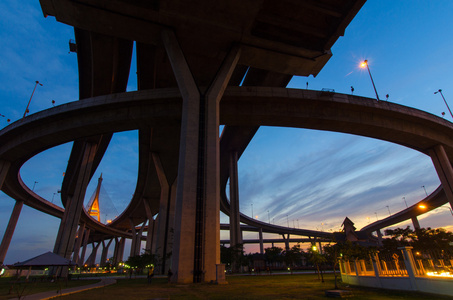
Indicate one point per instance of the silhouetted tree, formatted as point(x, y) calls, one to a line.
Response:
point(293, 256)
point(273, 255)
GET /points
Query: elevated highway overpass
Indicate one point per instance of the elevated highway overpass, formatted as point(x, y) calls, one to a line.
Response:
point(199, 65)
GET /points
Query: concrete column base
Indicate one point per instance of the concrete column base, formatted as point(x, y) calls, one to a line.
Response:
point(220, 274)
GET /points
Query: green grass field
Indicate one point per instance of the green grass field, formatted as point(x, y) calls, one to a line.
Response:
point(263, 287)
point(11, 288)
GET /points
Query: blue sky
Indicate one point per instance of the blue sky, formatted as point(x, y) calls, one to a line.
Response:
point(309, 179)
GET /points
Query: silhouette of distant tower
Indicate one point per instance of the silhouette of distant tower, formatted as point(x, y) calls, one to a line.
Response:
point(93, 207)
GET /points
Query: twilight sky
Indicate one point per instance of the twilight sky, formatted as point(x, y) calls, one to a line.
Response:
point(305, 178)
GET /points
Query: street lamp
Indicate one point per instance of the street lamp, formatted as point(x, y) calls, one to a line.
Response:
point(423, 206)
point(404, 198)
point(33, 189)
point(440, 91)
point(363, 65)
point(389, 210)
point(425, 190)
point(287, 220)
point(26, 110)
point(268, 216)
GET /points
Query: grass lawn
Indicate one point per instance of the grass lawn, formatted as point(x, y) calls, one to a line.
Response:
point(10, 288)
point(263, 287)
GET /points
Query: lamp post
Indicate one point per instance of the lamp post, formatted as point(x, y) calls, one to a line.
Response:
point(268, 216)
point(404, 198)
point(252, 209)
point(440, 91)
point(388, 209)
point(363, 65)
point(287, 220)
point(26, 110)
point(425, 190)
point(33, 189)
point(36, 84)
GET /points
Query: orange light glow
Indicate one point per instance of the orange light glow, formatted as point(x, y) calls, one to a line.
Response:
point(442, 274)
point(422, 206)
point(364, 64)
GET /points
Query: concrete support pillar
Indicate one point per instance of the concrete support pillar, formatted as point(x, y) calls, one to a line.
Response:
point(134, 238)
point(154, 242)
point(261, 241)
point(91, 261)
point(235, 223)
point(286, 239)
point(444, 170)
point(166, 220)
point(197, 215)
point(86, 236)
point(119, 249)
point(415, 223)
point(78, 243)
point(138, 244)
point(320, 248)
point(379, 235)
point(115, 251)
point(149, 235)
point(10, 230)
point(150, 232)
point(4, 168)
point(105, 250)
point(64, 243)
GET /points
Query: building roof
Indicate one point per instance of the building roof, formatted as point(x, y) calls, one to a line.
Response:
point(45, 260)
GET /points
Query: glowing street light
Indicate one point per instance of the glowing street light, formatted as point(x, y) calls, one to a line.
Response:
point(363, 65)
point(440, 91)
point(423, 206)
point(26, 110)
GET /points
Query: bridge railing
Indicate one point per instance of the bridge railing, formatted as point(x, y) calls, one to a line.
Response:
point(427, 272)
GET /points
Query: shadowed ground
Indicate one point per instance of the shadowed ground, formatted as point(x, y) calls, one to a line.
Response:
point(262, 287)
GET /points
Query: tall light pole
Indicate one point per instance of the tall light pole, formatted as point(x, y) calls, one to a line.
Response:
point(425, 190)
point(252, 210)
point(26, 110)
point(33, 189)
point(287, 220)
point(268, 216)
point(363, 65)
point(440, 91)
point(388, 209)
point(404, 198)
